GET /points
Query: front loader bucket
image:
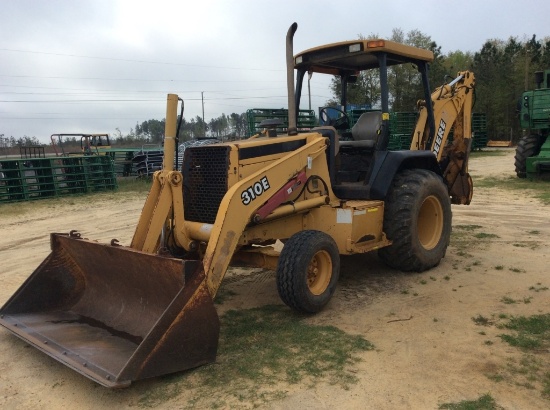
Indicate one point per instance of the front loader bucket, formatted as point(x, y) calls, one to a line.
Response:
point(114, 314)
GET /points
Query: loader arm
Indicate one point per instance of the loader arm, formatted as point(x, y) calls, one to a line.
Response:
point(160, 202)
point(452, 108)
point(235, 214)
point(164, 205)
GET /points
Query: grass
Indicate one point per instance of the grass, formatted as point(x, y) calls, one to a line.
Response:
point(261, 353)
point(482, 154)
point(538, 288)
point(508, 300)
point(134, 185)
point(223, 295)
point(468, 227)
point(495, 377)
point(127, 188)
point(482, 321)
point(532, 336)
point(466, 237)
point(483, 235)
point(485, 402)
point(529, 333)
point(527, 244)
point(529, 372)
point(535, 188)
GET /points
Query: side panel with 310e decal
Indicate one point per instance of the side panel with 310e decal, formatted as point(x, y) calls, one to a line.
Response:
point(255, 190)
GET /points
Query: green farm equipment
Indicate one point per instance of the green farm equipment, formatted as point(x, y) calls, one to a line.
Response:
point(533, 151)
point(277, 119)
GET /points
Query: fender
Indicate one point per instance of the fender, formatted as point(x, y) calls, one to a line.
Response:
point(388, 163)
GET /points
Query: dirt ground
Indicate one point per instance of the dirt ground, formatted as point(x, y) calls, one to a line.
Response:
point(428, 349)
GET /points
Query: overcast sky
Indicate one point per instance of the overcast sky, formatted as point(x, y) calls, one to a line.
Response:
point(69, 66)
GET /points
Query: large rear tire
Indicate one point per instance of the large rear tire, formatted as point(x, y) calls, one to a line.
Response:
point(417, 218)
point(528, 146)
point(308, 270)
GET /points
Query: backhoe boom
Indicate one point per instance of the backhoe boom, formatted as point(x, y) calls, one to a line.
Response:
point(452, 110)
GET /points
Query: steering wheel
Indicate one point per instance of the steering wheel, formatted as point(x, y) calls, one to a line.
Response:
point(340, 123)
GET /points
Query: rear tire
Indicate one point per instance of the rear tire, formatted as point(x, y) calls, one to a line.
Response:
point(308, 270)
point(417, 218)
point(528, 146)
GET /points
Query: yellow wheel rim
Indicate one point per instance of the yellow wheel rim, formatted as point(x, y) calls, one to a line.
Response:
point(319, 272)
point(430, 222)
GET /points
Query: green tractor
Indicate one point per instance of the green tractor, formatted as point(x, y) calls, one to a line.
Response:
point(532, 157)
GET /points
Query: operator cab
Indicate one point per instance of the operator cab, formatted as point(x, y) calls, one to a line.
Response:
point(90, 144)
point(360, 137)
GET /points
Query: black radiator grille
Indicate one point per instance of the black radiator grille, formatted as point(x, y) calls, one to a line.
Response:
point(204, 181)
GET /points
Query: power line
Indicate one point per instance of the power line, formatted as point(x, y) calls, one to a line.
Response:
point(69, 118)
point(136, 79)
point(135, 61)
point(140, 100)
point(91, 91)
point(75, 101)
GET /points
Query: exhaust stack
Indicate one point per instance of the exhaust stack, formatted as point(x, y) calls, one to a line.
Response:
point(292, 120)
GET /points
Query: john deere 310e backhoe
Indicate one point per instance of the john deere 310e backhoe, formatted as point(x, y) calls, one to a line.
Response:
point(122, 313)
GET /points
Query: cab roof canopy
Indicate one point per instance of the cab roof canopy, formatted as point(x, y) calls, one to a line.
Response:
point(351, 56)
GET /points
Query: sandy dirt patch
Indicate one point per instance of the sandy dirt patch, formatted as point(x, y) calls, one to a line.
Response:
point(428, 349)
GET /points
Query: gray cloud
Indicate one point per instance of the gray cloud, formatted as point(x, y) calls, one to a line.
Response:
point(93, 66)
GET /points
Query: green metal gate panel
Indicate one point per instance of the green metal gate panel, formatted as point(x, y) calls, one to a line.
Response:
point(38, 178)
point(305, 121)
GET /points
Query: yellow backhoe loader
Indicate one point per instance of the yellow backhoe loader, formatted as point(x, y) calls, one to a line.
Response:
point(117, 314)
point(90, 144)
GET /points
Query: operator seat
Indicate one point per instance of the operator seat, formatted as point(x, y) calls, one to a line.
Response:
point(365, 132)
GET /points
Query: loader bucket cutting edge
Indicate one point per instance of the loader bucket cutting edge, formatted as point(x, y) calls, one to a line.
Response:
point(114, 314)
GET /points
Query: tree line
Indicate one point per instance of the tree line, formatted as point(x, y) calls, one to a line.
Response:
point(8, 142)
point(233, 126)
point(503, 70)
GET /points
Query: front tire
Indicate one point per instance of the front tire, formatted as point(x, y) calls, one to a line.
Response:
point(308, 270)
point(528, 146)
point(417, 218)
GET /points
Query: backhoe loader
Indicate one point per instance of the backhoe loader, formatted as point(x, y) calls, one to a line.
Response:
point(117, 314)
point(90, 144)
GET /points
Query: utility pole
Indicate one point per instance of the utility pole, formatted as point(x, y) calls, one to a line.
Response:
point(309, 88)
point(203, 124)
point(527, 58)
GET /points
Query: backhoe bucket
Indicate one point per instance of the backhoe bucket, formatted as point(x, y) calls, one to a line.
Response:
point(114, 314)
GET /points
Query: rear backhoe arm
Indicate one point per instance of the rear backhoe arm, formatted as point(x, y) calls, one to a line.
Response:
point(452, 107)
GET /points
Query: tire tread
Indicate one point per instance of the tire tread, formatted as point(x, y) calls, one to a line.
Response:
point(527, 147)
point(398, 220)
point(290, 284)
